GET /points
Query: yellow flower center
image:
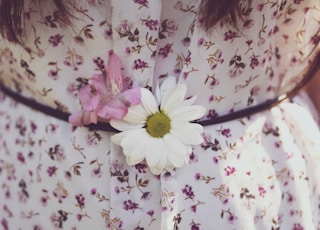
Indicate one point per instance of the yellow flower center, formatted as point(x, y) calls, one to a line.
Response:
point(158, 124)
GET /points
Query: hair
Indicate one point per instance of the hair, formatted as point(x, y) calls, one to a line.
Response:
point(11, 15)
point(11, 11)
point(213, 11)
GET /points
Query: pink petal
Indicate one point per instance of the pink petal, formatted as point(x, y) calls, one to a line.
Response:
point(83, 118)
point(88, 100)
point(90, 118)
point(131, 96)
point(114, 109)
point(99, 83)
point(114, 81)
point(75, 118)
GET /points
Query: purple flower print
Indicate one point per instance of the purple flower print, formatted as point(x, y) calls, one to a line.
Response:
point(80, 201)
point(141, 167)
point(141, 2)
point(229, 170)
point(4, 224)
point(226, 132)
point(21, 158)
point(315, 39)
point(297, 226)
point(200, 41)
point(187, 190)
point(186, 41)
point(230, 35)
point(212, 114)
point(93, 191)
point(139, 64)
point(151, 24)
point(130, 205)
point(254, 62)
point(51, 170)
point(262, 191)
point(164, 51)
point(55, 40)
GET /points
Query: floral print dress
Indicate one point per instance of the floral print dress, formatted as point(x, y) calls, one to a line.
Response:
point(257, 172)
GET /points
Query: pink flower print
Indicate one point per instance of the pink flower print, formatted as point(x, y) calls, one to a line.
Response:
point(21, 158)
point(248, 23)
point(96, 172)
point(106, 97)
point(200, 41)
point(92, 2)
point(188, 58)
point(186, 41)
point(260, 7)
point(315, 39)
point(297, 1)
point(262, 191)
point(197, 176)
point(53, 74)
point(297, 227)
point(108, 33)
point(128, 50)
point(249, 42)
point(4, 223)
point(93, 191)
point(117, 190)
point(232, 218)
point(229, 170)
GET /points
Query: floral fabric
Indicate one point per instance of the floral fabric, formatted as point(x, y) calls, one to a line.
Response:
point(258, 172)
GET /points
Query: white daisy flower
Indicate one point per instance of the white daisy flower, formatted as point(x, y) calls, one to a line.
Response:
point(160, 134)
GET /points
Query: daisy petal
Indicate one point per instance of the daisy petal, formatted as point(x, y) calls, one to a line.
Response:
point(136, 115)
point(163, 161)
point(187, 133)
point(174, 98)
point(122, 125)
point(167, 85)
point(117, 138)
point(148, 101)
point(190, 101)
point(138, 153)
point(155, 171)
point(177, 151)
point(131, 139)
point(188, 113)
point(153, 153)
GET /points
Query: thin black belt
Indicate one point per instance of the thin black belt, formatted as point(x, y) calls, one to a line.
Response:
point(107, 127)
point(224, 118)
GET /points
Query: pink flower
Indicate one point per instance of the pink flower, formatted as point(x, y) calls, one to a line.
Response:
point(106, 97)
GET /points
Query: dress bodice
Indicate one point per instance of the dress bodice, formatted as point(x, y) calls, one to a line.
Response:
point(228, 69)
